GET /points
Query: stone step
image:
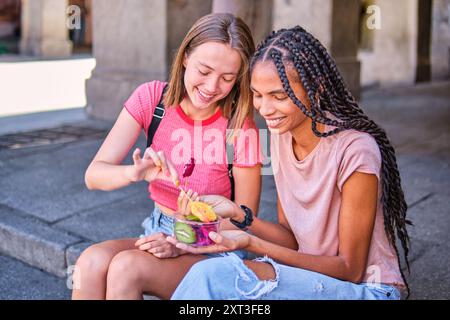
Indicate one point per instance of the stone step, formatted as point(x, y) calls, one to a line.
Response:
point(37, 243)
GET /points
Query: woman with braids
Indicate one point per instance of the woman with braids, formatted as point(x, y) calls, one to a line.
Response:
point(340, 202)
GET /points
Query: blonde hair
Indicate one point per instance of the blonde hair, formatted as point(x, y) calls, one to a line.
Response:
point(222, 28)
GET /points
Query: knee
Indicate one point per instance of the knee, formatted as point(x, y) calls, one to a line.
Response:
point(263, 270)
point(123, 267)
point(95, 259)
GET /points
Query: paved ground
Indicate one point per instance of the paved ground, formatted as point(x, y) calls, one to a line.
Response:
point(20, 281)
point(418, 122)
point(47, 216)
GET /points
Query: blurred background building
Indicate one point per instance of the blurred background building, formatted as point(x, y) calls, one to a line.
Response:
point(81, 59)
point(375, 42)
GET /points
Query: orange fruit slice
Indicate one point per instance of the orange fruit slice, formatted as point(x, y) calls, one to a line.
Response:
point(203, 211)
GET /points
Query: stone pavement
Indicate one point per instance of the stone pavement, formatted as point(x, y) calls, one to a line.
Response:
point(20, 281)
point(47, 216)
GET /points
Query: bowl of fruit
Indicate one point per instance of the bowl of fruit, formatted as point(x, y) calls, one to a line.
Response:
point(194, 228)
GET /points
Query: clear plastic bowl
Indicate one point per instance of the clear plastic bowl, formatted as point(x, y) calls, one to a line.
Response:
point(194, 233)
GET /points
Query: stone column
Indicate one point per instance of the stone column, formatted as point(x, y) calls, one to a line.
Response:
point(345, 42)
point(335, 23)
point(256, 13)
point(88, 34)
point(129, 45)
point(134, 42)
point(44, 30)
point(423, 68)
point(440, 43)
point(393, 59)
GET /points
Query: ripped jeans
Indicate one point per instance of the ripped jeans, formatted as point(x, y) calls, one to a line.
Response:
point(228, 278)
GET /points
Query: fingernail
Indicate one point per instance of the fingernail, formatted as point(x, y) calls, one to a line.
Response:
point(213, 235)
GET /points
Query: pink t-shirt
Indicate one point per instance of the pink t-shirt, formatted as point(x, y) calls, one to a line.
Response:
point(310, 195)
point(181, 138)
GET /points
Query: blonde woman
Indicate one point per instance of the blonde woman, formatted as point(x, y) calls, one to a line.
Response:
point(208, 90)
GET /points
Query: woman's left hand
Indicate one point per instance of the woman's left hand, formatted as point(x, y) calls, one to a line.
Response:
point(158, 245)
point(226, 240)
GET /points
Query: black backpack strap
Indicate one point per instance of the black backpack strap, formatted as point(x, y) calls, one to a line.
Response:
point(158, 114)
point(230, 158)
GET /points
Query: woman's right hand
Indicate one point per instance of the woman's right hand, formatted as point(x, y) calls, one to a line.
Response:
point(152, 166)
point(184, 201)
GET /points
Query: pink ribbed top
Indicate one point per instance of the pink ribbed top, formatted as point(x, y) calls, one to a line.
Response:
point(181, 138)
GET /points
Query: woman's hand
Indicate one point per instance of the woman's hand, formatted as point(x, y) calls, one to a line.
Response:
point(158, 245)
point(227, 240)
point(223, 207)
point(152, 166)
point(184, 201)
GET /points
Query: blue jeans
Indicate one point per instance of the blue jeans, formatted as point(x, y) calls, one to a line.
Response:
point(228, 278)
point(159, 222)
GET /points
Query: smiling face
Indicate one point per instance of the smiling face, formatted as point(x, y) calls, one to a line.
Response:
point(272, 102)
point(211, 71)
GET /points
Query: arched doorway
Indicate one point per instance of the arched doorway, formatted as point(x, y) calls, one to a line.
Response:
point(423, 68)
point(9, 26)
point(82, 37)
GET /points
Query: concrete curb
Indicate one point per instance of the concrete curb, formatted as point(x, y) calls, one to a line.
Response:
point(37, 243)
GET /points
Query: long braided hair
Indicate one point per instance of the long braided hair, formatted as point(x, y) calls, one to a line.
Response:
point(326, 90)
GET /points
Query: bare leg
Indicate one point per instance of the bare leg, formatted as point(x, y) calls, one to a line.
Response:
point(92, 266)
point(133, 273)
point(263, 270)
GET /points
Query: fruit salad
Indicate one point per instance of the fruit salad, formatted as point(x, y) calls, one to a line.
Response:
point(194, 228)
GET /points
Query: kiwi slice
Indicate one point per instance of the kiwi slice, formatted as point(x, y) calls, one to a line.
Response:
point(184, 233)
point(191, 217)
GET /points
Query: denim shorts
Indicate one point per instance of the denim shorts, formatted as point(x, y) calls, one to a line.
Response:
point(159, 222)
point(228, 278)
